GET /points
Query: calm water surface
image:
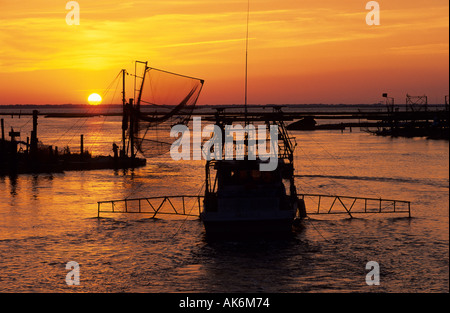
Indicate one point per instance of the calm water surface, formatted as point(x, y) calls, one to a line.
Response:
point(48, 220)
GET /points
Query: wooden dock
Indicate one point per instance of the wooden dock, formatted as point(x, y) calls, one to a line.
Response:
point(40, 158)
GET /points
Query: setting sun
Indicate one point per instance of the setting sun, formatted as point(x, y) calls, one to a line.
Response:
point(95, 99)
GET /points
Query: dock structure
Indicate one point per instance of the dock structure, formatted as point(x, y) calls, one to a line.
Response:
point(316, 204)
point(417, 114)
point(416, 103)
point(259, 111)
point(415, 119)
point(32, 156)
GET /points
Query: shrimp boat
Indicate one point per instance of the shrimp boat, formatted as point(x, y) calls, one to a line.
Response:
point(240, 198)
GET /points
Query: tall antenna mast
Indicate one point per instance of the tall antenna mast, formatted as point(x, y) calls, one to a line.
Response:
point(124, 114)
point(246, 62)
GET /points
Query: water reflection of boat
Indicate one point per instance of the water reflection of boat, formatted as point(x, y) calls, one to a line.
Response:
point(240, 198)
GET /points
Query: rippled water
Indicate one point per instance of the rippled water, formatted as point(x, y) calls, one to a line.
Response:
point(50, 219)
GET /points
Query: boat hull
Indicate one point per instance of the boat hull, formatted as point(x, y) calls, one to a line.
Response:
point(248, 227)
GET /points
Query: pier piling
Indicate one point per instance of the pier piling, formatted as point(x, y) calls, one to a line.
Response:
point(34, 139)
point(3, 129)
point(81, 145)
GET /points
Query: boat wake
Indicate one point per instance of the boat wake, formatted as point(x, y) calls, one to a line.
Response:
point(441, 183)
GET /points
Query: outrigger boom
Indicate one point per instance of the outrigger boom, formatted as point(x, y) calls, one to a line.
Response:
point(191, 206)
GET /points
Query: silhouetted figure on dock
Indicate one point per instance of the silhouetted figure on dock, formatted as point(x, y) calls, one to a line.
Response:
point(115, 150)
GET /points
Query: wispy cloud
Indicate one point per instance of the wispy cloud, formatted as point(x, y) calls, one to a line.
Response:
point(111, 32)
point(290, 41)
point(428, 49)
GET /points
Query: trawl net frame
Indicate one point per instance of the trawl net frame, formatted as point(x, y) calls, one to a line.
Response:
point(171, 99)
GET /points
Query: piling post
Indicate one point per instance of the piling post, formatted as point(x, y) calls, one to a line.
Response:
point(3, 129)
point(132, 121)
point(13, 152)
point(2, 142)
point(81, 146)
point(34, 140)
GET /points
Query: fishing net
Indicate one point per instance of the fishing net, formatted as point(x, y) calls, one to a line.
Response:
point(165, 99)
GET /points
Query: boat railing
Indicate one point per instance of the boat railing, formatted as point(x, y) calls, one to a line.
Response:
point(317, 204)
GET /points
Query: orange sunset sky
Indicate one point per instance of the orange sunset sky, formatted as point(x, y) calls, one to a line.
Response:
point(308, 51)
